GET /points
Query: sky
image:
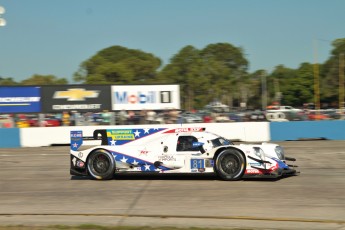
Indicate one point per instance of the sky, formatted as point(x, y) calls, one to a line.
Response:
point(56, 36)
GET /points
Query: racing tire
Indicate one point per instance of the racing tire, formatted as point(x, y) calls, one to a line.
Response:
point(230, 165)
point(101, 165)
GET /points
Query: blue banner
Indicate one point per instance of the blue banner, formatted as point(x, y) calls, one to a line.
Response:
point(20, 99)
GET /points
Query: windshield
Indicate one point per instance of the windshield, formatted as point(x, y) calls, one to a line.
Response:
point(220, 141)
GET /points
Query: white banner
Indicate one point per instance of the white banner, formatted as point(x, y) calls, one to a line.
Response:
point(145, 97)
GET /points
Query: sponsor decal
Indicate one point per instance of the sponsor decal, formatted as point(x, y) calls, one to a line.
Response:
point(118, 134)
point(79, 98)
point(143, 152)
point(253, 171)
point(194, 170)
point(166, 158)
point(76, 139)
point(201, 170)
point(77, 107)
point(123, 136)
point(139, 97)
point(80, 164)
point(197, 144)
point(76, 94)
point(255, 164)
point(209, 163)
point(20, 99)
point(186, 130)
point(135, 98)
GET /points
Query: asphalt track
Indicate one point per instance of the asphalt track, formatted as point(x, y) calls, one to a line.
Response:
point(36, 189)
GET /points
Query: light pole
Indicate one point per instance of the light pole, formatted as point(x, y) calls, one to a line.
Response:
point(2, 20)
point(263, 90)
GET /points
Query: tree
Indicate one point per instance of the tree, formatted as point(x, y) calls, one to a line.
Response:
point(228, 72)
point(118, 65)
point(7, 81)
point(205, 75)
point(44, 80)
point(329, 74)
point(187, 69)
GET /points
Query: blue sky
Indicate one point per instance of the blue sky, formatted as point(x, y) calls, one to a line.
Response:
point(54, 37)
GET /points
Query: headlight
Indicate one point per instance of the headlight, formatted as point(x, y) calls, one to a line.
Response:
point(280, 152)
point(258, 151)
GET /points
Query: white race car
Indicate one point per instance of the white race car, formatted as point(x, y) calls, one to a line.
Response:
point(174, 150)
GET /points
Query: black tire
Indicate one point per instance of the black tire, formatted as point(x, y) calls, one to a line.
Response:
point(101, 165)
point(230, 164)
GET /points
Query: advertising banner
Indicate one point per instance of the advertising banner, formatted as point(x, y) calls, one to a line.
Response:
point(80, 98)
point(20, 99)
point(145, 97)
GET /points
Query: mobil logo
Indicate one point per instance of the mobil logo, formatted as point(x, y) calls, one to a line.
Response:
point(138, 97)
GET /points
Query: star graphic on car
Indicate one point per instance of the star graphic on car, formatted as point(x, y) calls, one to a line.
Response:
point(75, 145)
point(137, 133)
point(124, 159)
point(146, 130)
point(135, 162)
point(112, 142)
point(147, 167)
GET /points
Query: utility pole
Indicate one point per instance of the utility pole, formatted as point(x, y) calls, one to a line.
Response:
point(316, 79)
point(341, 84)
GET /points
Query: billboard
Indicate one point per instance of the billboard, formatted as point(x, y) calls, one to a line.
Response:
point(81, 98)
point(20, 99)
point(145, 97)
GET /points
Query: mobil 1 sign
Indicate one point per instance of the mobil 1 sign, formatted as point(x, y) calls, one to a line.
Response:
point(148, 97)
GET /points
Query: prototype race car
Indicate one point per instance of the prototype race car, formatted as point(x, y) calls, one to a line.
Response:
point(174, 150)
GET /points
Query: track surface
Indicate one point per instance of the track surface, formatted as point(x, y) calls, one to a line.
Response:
point(36, 189)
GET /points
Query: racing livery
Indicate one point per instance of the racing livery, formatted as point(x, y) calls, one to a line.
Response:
point(174, 150)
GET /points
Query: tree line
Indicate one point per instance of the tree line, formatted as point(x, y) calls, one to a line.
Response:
point(218, 72)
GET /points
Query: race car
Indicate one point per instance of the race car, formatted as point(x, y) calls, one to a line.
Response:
point(174, 150)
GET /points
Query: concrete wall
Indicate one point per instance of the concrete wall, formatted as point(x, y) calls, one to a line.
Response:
point(35, 137)
point(9, 138)
point(242, 131)
point(299, 130)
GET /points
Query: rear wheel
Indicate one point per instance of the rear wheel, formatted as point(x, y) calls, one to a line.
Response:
point(101, 165)
point(230, 164)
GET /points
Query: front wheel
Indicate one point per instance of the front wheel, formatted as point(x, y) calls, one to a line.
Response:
point(230, 164)
point(101, 165)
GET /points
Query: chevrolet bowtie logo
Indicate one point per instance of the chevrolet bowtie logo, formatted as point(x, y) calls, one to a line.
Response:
point(76, 94)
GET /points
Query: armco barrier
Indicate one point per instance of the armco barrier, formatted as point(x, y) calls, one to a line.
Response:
point(243, 131)
point(9, 138)
point(300, 130)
